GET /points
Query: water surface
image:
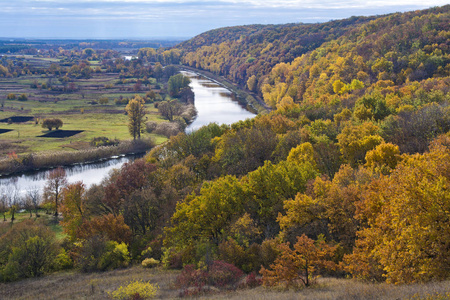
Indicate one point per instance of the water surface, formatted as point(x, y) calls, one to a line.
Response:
point(214, 103)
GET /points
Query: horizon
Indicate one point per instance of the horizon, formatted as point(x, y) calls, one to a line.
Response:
point(173, 19)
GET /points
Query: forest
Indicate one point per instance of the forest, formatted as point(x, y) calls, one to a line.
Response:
point(347, 175)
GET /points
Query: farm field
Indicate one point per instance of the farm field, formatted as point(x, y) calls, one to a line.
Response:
point(75, 103)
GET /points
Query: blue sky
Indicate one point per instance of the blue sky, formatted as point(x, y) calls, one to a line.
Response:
point(175, 18)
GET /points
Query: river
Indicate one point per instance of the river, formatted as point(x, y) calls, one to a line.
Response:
point(213, 102)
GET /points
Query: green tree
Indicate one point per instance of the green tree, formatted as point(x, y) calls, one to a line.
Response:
point(177, 83)
point(136, 112)
point(52, 123)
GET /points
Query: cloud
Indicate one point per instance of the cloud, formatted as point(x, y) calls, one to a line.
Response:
point(147, 18)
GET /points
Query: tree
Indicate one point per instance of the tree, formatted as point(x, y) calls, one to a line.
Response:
point(56, 181)
point(307, 258)
point(177, 83)
point(407, 236)
point(136, 112)
point(73, 208)
point(34, 196)
point(169, 109)
point(50, 123)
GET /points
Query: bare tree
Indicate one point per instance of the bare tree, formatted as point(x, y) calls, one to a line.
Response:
point(12, 198)
point(35, 197)
point(56, 181)
point(3, 203)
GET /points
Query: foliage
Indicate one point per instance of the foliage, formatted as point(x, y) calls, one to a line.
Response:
point(56, 181)
point(27, 250)
point(150, 262)
point(218, 274)
point(407, 217)
point(52, 123)
point(113, 227)
point(177, 83)
point(135, 290)
point(136, 112)
point(307, 259)
point(99, 254)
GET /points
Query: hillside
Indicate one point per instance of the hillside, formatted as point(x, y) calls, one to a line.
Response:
point(347, 176)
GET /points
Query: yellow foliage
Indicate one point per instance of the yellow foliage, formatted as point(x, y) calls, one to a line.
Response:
point(144, 290)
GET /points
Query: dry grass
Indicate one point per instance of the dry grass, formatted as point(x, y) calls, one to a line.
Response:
point(73, 285)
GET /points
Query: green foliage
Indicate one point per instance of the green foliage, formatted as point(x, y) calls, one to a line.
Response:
point(27, 250)
point(52, 123)
point(136, 112)
point(99, 254)
point(177, 83)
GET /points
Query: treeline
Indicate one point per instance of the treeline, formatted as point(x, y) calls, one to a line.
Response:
point(241, 52)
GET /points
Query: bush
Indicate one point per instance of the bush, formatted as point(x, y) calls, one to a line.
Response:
point(99, 254)
point(27, 250)
point(168, 129)
point(219, 274)
point(135, 290)
point(150, 262)
point(103, 141)
point(11, 96)
point(22, 97)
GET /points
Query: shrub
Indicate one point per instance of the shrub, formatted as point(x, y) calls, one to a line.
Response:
point(22, 97)
point(135, 290)
point(99, 254)
point(11, 96)
point(252, 281)
point(150, 262)
point(27, 250)
point(168, 129)
point(219, 274)
point(103, 141)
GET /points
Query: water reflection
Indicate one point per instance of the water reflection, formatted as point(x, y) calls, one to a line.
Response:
point(214, 103)
point(89, 174)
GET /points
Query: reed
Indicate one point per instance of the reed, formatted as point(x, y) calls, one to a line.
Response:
point(50, 159)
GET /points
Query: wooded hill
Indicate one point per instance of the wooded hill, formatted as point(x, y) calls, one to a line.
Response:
point(348, 175)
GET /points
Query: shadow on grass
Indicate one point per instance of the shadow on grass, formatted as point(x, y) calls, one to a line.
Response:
point(61, 133)
point(16, 119)
point(5, 130)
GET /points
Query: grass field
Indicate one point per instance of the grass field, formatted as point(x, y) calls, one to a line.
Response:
point(74, 285)
point(78, 110)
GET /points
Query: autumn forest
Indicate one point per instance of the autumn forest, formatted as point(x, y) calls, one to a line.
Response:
point(344, 173)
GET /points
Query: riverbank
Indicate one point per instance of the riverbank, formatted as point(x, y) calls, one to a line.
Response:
point(46, 160)
point(252, 101)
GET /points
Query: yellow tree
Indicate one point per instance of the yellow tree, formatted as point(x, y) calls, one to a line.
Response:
point(136, 112)
point(408, 217)
point(73, 208)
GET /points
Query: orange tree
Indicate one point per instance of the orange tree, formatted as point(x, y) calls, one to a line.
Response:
point(306, 259)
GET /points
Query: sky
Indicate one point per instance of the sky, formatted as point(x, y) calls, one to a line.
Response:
point(150, 19)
